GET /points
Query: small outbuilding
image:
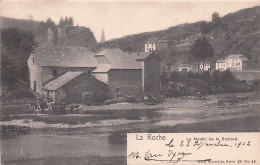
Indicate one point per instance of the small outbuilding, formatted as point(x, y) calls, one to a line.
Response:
point(76, 87)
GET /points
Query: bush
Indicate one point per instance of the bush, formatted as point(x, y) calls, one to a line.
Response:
point(216, 76)
point(172, 92)
point(256, 85)
point(228, 76)
point(205, 75)
point(194, 75)
point(178, 76)
point(20, 94)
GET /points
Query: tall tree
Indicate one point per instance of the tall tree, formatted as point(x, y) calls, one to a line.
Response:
point(202, 50)
point(66, 21)
point(17, 45)
point(61, 22)
point(216, 19)
point(50, 23)
point(70, 21)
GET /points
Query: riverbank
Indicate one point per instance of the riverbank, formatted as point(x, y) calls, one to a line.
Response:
point(128, 113)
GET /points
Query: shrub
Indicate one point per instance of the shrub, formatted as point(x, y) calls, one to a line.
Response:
point(205, 75)
point(172, 92)
point(256, 85)
point(178, 76)
point(216, 76)
point(228, 76)
point(194, 75)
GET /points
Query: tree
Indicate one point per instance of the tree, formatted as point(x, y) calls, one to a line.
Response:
point(228, 76)
point(216, 19)
point(216, 76)
point(61, 22)
point(66, 21)
point(50, 23)
point(202, 50)
point(70, 21)
point(17, 45)
point(205, 28)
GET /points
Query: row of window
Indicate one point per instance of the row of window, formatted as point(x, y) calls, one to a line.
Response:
point(233, 64)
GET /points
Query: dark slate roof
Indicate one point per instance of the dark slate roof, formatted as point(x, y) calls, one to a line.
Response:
point(65, 56)
point(240, 56)
point(101, 59)
point(62, 80)
point(205, 63)
point(102, 68)
point(184, 65)
point(119, 59)
point(221, 61)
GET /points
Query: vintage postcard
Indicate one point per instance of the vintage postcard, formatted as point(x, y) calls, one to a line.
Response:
point(137, 82)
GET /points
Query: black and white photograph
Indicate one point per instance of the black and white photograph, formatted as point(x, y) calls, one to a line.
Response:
point(79, 78)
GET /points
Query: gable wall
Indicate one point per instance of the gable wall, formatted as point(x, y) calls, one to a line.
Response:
point(127, 81)
point(152, 74)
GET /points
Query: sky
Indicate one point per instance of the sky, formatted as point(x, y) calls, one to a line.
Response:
point(121, 18)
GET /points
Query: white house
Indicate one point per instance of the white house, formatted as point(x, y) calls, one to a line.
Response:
point(184, 67)
point(153, 44)
point(236, 62)
point(206, 66)
point(221, 64)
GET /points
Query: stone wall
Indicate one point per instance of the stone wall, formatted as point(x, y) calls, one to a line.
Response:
point(124, 82)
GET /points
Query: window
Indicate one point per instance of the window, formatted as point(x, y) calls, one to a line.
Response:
point(54, 72)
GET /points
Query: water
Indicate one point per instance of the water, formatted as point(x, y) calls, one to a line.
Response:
point(92, 145)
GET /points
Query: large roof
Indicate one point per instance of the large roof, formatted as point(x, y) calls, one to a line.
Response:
point(119, 59)
point(62, 80)
point(221, 61)
point(240, 56)
point(102, 68)
point(65, 56)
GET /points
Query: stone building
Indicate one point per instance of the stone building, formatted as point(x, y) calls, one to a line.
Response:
point(237, 62)
point(221, 64)
point(76, 87)
point(50, 62)
point(120, 71)
point(150, 64)
point(206, 66)
point(69, 73)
